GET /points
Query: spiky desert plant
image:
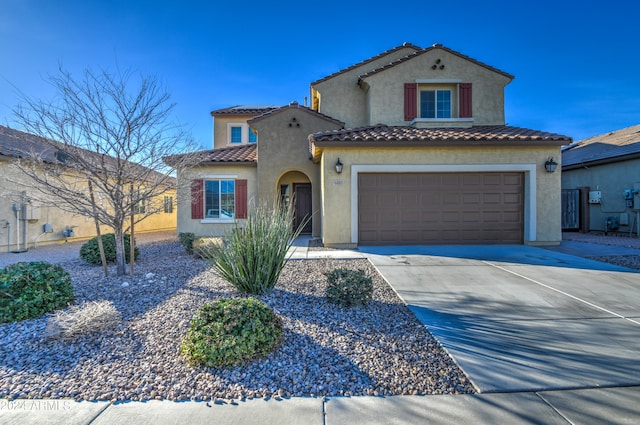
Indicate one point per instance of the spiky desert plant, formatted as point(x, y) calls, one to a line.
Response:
point(253, 255)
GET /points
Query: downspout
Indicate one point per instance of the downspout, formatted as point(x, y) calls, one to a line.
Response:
point(8, 236)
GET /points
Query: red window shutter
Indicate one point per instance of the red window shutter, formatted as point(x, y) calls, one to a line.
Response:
point(466, 110)
point(410, 101)
point(241, 199)
point(197, 199)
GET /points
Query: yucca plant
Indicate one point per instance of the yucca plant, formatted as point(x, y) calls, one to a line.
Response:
point(252, 256)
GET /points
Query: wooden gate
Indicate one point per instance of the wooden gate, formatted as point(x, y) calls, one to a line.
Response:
point(570, 209)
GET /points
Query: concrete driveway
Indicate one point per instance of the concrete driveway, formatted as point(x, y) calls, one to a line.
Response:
point(520, 318)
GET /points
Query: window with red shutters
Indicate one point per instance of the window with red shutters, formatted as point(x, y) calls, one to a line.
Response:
point(410, 101)
point(466, 109)
point(197, 199)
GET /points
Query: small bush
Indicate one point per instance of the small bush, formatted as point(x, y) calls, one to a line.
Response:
point(205, 247)
point(90, 252)
point(349, 287)
point(231, 331)
point(187, 239)
point(253, 256)
point(87, 318)
point(29, 290)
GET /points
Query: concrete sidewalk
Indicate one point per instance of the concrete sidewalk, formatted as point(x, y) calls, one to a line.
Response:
point(591, 406)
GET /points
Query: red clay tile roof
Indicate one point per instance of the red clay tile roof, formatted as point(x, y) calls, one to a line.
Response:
point(295, 105)
point(245, 154)
point(243, 110)
point(423, 51)
point(615, 146)
point(378, 56)
point(478, 134)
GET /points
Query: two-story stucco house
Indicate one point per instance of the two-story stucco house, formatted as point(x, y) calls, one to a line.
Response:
point(407, 147)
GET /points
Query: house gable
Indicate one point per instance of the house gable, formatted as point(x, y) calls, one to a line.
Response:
point(283, 147)
point(338, 94)
point(436, 87)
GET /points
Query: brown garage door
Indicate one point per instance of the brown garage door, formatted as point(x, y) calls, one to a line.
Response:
point(440, 208)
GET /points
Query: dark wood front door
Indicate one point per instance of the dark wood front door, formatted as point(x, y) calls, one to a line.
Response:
point(302, 209)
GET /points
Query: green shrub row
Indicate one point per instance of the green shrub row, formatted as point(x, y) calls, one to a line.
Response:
point(29, 290)
point(90, 251)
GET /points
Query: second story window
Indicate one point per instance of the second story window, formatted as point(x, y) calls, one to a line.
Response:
point(240, 133)
point(435, 104)
point(236, 134)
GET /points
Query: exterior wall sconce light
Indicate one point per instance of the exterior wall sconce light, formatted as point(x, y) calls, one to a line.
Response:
point(338, 166)
point(550, 165)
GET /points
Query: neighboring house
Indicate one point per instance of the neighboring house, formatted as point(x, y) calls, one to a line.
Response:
point(25, 220)
point(407, 147)
point(601, 182)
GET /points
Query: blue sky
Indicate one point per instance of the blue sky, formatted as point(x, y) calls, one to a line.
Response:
point(576, 64)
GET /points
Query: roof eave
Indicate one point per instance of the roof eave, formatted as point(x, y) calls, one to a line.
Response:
point(603, 161)
point(429, 143)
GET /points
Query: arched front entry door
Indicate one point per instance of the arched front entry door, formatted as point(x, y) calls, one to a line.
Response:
point(302, 206)
point(296, 192)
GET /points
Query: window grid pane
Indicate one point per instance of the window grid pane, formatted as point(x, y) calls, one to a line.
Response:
point(428, 104)
point(253, 136)
point(444, 104)
point(236, 134)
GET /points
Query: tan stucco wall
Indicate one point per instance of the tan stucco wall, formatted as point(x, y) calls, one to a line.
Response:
point(83, 227)
point(542, 211)
point(283, 149)
point(611, 180)
point(341, 97)
point(220, 129)
point(208, 227)
point(385, 95)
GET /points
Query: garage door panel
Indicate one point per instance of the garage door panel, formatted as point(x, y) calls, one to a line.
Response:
point(440, 208)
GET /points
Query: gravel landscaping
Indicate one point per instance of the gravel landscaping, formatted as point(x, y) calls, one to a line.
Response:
point(377, 349)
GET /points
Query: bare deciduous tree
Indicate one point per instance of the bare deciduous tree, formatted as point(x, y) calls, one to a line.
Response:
point(107, 131)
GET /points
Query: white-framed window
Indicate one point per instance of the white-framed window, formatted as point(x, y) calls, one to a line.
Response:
point(435, 103)
point(240, 133)
point(219, 199)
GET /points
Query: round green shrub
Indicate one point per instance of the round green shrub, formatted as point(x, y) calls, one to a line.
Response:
point(90, 252)
point(187, 239)
point(231, 331)
point(29, 290)
point(349, 287)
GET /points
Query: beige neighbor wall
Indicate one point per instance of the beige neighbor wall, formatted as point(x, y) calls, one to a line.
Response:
point(212, 227)
point(283, 151)
point(41, 213)
point(610, 179)
point(385, 94)
point(542, 189)
point(342, 98)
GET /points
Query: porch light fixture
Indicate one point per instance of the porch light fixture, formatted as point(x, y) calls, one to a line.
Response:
point(550, 165)
point(338, 166)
